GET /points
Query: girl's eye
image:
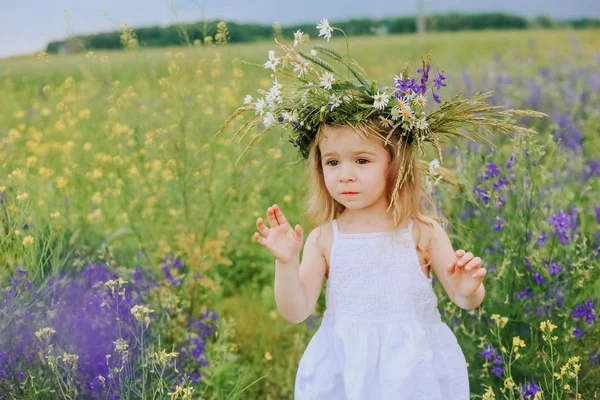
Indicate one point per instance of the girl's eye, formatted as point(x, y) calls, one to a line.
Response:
point(360, 159)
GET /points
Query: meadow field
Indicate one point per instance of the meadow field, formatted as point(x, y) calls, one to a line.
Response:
point(127, 264)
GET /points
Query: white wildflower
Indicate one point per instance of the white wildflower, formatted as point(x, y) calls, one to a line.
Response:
point(324, 29)
point(269, 120)
point(248, 99)
point(273, 61)
point(260, 106)
point(406, 113)
point(327, 79)
point(381, 100)
point(313, 53)
point(298, 37)
point(386, 122)
point(402, 103)
point(334, 101)
point(420, 100)
point(302, 65)
point(422, 123)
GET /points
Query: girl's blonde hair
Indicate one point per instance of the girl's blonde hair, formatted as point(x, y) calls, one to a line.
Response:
point(322, 208)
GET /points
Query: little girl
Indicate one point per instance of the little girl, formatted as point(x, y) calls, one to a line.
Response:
point(381, 337)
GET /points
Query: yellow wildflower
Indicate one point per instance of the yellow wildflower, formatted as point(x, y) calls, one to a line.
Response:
point(22, 196)
point(55, 214)
point(27, 240)
point(268, 356)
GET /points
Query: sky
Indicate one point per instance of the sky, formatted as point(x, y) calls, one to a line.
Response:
point(27, 26)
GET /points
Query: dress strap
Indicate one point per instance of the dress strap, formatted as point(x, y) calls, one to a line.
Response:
point(335, 228)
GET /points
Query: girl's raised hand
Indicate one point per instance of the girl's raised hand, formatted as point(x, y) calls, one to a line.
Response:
point(283, 241)
point(466, 273)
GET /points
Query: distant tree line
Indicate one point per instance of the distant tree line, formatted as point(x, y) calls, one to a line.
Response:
point(201, 33)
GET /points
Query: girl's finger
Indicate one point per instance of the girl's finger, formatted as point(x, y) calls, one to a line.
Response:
point(271, 217)
point(465, 259)
point(460, 252)
point(452, 269)
point(474, 264)
point(257, 238)
point(279, 215)
point(479, 273)
point(262, 228)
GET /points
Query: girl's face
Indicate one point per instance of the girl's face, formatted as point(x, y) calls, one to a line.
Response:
point(354, 168)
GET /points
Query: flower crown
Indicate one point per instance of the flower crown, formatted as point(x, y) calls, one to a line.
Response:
point(318, 94)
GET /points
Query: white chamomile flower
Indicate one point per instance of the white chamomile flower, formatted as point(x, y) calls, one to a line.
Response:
point(327, 79)
point(402, 103)
point(293, 117)
point(248, 99)
point(325, 29)
point(386, 122)
point(301, 65)
point(273, 61)
point(406, 113)
point(433, 166)
point(298, 37)
point(420, 100)
point(269, 120)
point(313, 53)
point(334, 101)
point(260, 106)
point(276, 88)
point(422, 123)
point(381, 100)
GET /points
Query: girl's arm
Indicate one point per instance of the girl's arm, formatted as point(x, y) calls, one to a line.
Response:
point(443, 257)
point(298, 286)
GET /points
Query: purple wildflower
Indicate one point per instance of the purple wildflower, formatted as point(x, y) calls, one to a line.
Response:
point(542, 239)
point(436, 97)
point(537, 278)
point(438, 81)
point(578, 332)
point(499, 223)
point(527, 263)
point(529, 390)
point(525, 293)
point(510, 161)
point(554, 268)
point(561, 221)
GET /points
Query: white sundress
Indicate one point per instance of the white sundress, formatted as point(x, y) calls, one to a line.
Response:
point(381, 337)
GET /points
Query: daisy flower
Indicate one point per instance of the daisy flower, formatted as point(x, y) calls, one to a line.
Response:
point(301, 65)
point(325, 29)
point(260, 106)
point(269, 120)
point(334, 101)
point(386, 122)
point(327, 79)
point(273, 61)
point(406, 113)
point(248, 99)
point(422, 124)
point(402, 103)
point(381, 100)
point(298, 37)
point(420, 100)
